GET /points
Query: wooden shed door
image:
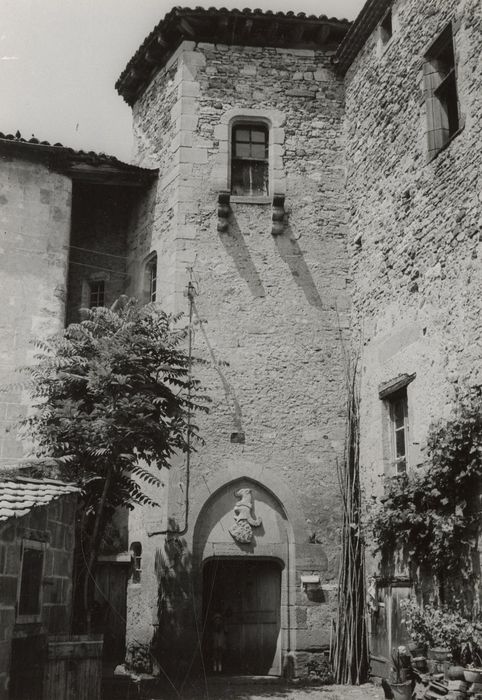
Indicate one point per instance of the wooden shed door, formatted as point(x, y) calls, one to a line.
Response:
point(387, 630)
point(247, 594)
point(110, 614)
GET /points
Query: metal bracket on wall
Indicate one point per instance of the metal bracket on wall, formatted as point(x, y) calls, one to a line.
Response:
point(278, 214)
point(224, 209)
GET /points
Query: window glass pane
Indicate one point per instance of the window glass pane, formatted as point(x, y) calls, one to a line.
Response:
point(401, 466)
point(258, 136)
point(400, 443)
point(258, 151)
point(31, 579)
point(398, 408)
point(242, 135)
point(243, 150)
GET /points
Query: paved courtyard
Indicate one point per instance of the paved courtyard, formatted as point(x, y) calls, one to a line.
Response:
point(217, 689)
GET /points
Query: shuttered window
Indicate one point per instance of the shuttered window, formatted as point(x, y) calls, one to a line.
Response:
point(441, 92)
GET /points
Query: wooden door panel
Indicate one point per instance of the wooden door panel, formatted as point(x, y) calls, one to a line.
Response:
point(248, 595)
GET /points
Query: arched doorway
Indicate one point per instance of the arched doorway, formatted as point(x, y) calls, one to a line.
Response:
point(244, 568)
point(247, 593)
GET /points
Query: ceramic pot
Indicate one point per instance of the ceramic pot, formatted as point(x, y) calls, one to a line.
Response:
point(473, 675)
point(402, 691)
point(420, 663)
point(416, 648)
point(439, 654)
point(456, 673)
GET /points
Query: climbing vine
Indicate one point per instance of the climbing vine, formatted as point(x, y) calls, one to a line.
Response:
point(431, 515)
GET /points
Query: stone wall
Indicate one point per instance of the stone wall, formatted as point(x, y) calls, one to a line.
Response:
point(52, 525)
point(35, 220)
point(269, 312)
point(414, 229)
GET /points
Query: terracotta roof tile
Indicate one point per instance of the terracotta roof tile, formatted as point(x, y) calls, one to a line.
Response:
point(68, 157)
point(19, 495)
point(221, 26)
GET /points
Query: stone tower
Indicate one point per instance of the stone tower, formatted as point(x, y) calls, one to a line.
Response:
point(245, 231)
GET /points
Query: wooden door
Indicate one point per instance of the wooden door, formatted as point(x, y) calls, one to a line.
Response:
point(247, 594)
point(110, 612)
point(387, 630)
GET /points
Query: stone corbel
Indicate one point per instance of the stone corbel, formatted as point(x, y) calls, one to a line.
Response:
point(278, 214)
point(224, 209)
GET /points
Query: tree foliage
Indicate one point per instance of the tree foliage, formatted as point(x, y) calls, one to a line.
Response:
point(431, 515)
point(113, 400)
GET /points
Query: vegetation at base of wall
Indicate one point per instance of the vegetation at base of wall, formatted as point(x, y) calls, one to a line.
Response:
point(433, 626)
point(431, 516)
point(113, 400)
point(319, 671)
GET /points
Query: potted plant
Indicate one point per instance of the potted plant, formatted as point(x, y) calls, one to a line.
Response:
point(446, 632)
point(401, 681)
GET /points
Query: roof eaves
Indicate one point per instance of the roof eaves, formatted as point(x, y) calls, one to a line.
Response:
point(354, 40)
point(222, 26)
point(19, 495)
point(78, 163)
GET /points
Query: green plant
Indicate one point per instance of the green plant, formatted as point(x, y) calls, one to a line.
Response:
point(401, 664)
point(440, 627)
point(320, 671)
point(113, 401)
point(430, 515)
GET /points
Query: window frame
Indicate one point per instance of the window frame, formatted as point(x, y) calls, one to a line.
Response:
point(394, 400)
point(93, 283)
point(442, 104)
point(30, 617)
point(150, 278)
point(251, 126)
point(389, 392)
point(384, 34)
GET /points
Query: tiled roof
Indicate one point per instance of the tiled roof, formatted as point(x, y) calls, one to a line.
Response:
point(221, 26)
point(368, 18)
point(19, 495)
point(73, 162)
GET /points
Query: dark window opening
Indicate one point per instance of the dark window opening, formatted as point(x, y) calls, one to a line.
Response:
point(97, 294)
point(386, 28)
point(249, 160)
point(136, 560)
point(151, 278)
point(31, 579)
point(398, 412)
point(441, 92)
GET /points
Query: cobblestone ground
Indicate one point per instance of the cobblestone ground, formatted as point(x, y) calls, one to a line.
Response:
point(215, 690)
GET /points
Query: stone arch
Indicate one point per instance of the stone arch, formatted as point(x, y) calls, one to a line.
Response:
point(274, 540)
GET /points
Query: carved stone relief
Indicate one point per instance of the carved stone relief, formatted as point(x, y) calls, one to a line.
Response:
point(244, 518)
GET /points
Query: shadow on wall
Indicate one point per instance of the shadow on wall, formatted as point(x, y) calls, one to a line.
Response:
point(229, 392)
point(235, 246)
point(176, 650)
point(291, 254)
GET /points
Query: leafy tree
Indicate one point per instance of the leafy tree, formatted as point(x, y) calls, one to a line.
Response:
point(113, 401)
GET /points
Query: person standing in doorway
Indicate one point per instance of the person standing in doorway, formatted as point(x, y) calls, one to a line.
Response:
point(218, 641)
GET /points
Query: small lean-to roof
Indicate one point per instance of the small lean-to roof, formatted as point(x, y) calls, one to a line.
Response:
point(18, 495)
point(370, 15)
point(222, 26)
point(79, 165)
